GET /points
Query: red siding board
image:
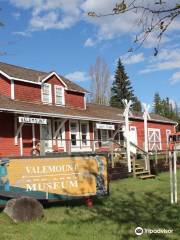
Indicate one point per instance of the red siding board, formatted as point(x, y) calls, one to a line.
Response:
point(5, 86)
point(27, 139)
point(27, 92)
point(67, 136)
point(7, 147)
point(74, 99)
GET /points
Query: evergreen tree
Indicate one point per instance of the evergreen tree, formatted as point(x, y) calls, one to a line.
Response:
point(165, 108)
point(137, 105)
point(122, 89)
point(157, 104)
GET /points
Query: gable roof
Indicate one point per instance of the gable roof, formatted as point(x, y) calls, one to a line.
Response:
point(35, 76)
point(94, 112)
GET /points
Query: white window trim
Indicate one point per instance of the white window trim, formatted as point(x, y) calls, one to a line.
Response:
point(168, 132)
point(12, 90)
point(77, 134)
point(63, 99)
point(84, 101)
point(87, 135)
point(155, 129)
point(50, 95)
point(135, 128)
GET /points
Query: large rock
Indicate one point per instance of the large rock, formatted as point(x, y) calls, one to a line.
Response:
point(24, 209)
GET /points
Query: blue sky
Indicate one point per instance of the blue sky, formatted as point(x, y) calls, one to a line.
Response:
point(57, 35)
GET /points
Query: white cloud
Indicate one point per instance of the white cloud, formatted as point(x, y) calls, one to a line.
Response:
point(175, 78)
point(23, 34)
point(132, 59)
point(77, 76)
point(89, 42)
point(167, 59)
point(60, 14)
point(48, 14)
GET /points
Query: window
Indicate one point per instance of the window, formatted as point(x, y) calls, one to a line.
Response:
point(46, 93)
point(59, 95)
point(168, 133)
point(74, 130)
point(104, 137)
point(84, 131)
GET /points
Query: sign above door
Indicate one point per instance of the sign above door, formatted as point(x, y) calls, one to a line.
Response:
point(105, 126)
point(42, 121)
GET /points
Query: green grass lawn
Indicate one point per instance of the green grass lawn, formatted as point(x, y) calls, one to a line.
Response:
point(131, 203)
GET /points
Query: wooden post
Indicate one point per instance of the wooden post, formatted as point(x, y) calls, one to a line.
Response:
point(126, 115)
point(175, 174)
point(134, 165)
point(112, 155)
point(171, 178)
point(146, 116)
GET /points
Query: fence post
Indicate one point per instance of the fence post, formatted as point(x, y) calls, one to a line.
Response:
point(112, 155)
point(175, 174)
point(171, 178)
point(148, 163)
point(69, 146)
point(134, 165)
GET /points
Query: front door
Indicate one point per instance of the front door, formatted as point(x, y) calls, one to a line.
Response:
point(46, 136)
point(133, 138)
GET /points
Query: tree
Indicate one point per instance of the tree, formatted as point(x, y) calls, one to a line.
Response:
point(100, 84)
point(122, 89)
point(137, 105)
point(157, 104)
point(152, 18)
point(165, 108)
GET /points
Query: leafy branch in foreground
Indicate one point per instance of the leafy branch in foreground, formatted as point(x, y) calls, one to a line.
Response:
point(154, 18)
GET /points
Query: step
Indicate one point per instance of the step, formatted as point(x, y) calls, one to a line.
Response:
point(149, 176)
point(142, 173)
point(136, 165)
point(139, 169)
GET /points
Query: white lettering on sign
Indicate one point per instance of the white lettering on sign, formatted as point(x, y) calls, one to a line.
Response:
point(105, 126)
point(33, 120)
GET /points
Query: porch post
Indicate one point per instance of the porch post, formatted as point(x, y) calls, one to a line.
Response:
point(146, 116)
point(126, 115)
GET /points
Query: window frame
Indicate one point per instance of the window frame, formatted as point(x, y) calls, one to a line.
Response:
point(50, 93)
point(87, 134)
point(76, 133)
point(55, 95)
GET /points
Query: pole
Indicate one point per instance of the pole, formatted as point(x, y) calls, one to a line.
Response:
point(134, 166)
point(127, 141)
point(145, 140)
point(146, 116)
point(171, 178)
point(175, 174)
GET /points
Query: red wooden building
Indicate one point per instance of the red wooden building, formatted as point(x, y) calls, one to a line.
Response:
point(46, 107)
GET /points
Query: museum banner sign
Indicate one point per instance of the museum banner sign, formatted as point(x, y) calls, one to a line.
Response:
point(66, 176)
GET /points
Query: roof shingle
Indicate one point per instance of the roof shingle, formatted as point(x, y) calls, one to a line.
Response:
point(94, 112)
point(35, 76)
